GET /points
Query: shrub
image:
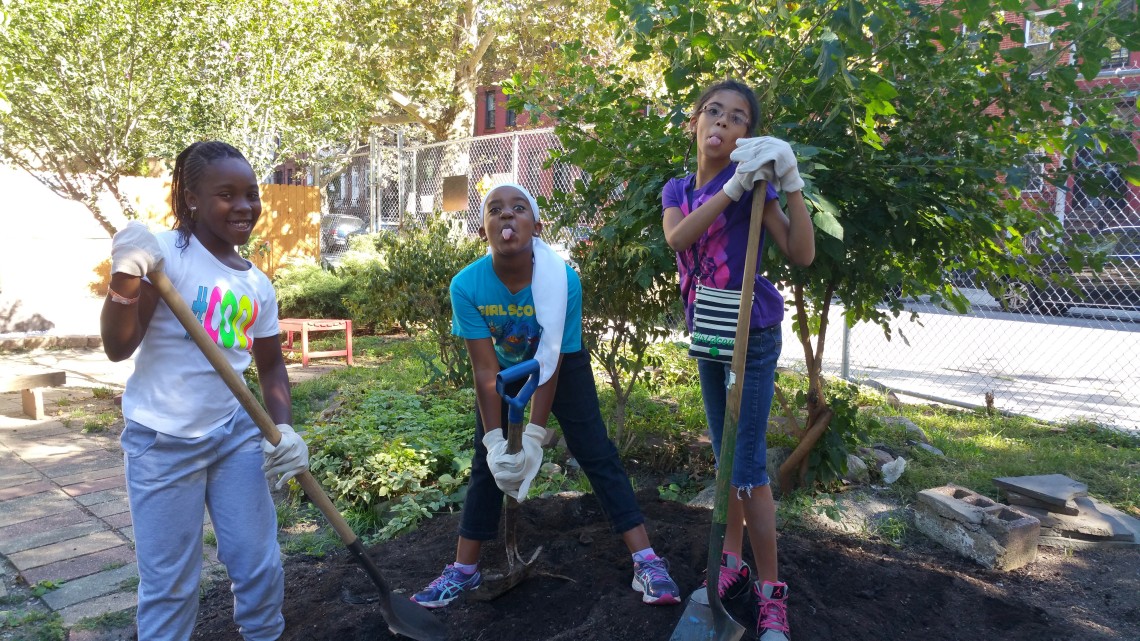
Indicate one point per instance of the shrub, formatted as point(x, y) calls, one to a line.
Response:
point(310, 291)
point(408, 286)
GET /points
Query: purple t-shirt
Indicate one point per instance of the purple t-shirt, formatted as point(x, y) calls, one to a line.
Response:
point(717, 258)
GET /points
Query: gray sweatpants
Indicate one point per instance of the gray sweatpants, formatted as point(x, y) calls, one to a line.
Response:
point(170, 483)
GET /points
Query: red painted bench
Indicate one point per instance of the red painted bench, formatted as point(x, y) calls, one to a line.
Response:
point(306, 325)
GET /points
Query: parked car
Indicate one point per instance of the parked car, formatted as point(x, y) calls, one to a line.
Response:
point(336, 229)
point(1113, 285)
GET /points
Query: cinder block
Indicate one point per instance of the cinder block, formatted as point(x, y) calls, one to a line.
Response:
point(995, 535)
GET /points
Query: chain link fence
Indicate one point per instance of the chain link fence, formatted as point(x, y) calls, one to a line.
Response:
point(1047, 352)
point(1037, 347)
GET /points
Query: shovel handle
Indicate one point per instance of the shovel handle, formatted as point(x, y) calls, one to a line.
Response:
point(516, 404)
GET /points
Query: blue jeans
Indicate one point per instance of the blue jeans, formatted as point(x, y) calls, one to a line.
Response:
point(576, 408)
point(750, 462)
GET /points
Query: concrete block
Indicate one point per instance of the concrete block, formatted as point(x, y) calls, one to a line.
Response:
point(995, 535)
point(1055, 489)
point(1014, 498)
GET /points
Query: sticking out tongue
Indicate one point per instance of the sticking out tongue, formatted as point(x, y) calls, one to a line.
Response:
point(507, 233)
point(714, 140)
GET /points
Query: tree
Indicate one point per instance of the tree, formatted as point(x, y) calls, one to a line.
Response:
point(274, 78)
point(86, 87)
point(912, 126)
point(99, 89)
point(423, 62)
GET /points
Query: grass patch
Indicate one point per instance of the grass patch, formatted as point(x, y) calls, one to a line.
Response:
point(980, 447)
point(33, 625)
point(108, 621)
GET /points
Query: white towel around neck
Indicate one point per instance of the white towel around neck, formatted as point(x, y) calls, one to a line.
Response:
point(549, 289)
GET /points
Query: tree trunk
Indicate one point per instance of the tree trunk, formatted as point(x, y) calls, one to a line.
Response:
point(794, 469)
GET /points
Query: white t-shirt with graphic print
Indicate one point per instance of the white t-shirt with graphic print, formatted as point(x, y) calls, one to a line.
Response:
point(174, 389)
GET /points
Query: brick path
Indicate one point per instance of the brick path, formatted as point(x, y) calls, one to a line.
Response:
point(63, 505)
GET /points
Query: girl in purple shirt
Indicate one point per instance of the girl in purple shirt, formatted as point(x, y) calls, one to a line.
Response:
point(706, 221)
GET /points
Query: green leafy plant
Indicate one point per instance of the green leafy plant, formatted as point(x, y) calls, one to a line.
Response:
point(45, 586)
point(387, 453)
point(409, 286)
point(309, 291)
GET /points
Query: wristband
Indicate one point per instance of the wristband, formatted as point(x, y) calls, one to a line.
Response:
point(122, 300)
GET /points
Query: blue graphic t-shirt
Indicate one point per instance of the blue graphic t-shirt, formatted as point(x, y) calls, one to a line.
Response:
point(483, 307)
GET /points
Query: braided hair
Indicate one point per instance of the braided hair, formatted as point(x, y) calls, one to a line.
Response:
point(745, 92)
point(188, 168)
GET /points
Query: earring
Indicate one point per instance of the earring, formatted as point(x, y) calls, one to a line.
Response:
point(193, 213)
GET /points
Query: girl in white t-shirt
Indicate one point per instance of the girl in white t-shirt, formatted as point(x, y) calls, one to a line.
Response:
point(188, 444)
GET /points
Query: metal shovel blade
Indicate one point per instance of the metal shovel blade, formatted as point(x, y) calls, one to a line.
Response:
point(699, 622)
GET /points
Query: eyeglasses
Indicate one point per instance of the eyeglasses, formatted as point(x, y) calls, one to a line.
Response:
point(735, 117)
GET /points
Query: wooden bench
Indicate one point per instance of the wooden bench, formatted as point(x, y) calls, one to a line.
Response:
point(306, 325)
point(31, 390)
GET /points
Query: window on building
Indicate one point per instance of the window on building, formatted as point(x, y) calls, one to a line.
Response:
point(1038, 37)
point(512, 117)
point(489, 110)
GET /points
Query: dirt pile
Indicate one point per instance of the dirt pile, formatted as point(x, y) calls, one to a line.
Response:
point(842, 589)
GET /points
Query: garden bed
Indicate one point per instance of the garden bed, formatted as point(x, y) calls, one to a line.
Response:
point(845, 588)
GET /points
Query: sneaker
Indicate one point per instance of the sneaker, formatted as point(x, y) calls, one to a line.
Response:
point(447, 587)
point(772, 604)
point(651, 578)
point(732, 582)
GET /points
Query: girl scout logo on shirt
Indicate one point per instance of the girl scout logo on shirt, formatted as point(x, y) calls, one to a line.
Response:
point(226, 317)
point(515, 338)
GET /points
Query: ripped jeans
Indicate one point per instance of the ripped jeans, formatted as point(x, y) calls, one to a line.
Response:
point(750, 463)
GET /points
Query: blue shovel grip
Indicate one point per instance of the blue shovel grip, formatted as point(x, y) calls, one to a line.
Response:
point(516, 404)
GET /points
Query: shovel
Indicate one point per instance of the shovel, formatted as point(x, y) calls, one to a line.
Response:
point(518, 568)
point(402, 615)
point(712, 621)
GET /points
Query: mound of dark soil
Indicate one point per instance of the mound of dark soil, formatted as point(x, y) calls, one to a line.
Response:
point(842, 588)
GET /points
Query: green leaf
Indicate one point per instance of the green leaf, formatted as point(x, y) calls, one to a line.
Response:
point(827, 223)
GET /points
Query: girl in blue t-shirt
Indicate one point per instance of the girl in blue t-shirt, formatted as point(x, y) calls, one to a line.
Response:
point(706, 220)
point(505, 320)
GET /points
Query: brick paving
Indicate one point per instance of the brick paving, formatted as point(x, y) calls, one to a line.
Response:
point(64, 516)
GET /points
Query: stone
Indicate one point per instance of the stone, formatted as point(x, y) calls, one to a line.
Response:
point(1055, 489)
point(930, 448)
point(1089, 523)
point(912, 431)
point(857, 471)
point(1014, 498)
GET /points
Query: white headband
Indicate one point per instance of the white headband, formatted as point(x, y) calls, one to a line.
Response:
point(523, 190)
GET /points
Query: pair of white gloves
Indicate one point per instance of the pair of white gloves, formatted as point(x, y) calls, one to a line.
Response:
point(515, 472)
point(763, 158)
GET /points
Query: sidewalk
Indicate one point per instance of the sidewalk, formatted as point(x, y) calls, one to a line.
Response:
point(64, 516)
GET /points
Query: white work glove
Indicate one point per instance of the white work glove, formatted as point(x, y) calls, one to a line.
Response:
point(515, 472)
point(134, 250)
point(768, 158)
point(288, 459)
point(740, 182)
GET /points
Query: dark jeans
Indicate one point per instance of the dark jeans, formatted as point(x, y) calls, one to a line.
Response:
point(576, 408)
